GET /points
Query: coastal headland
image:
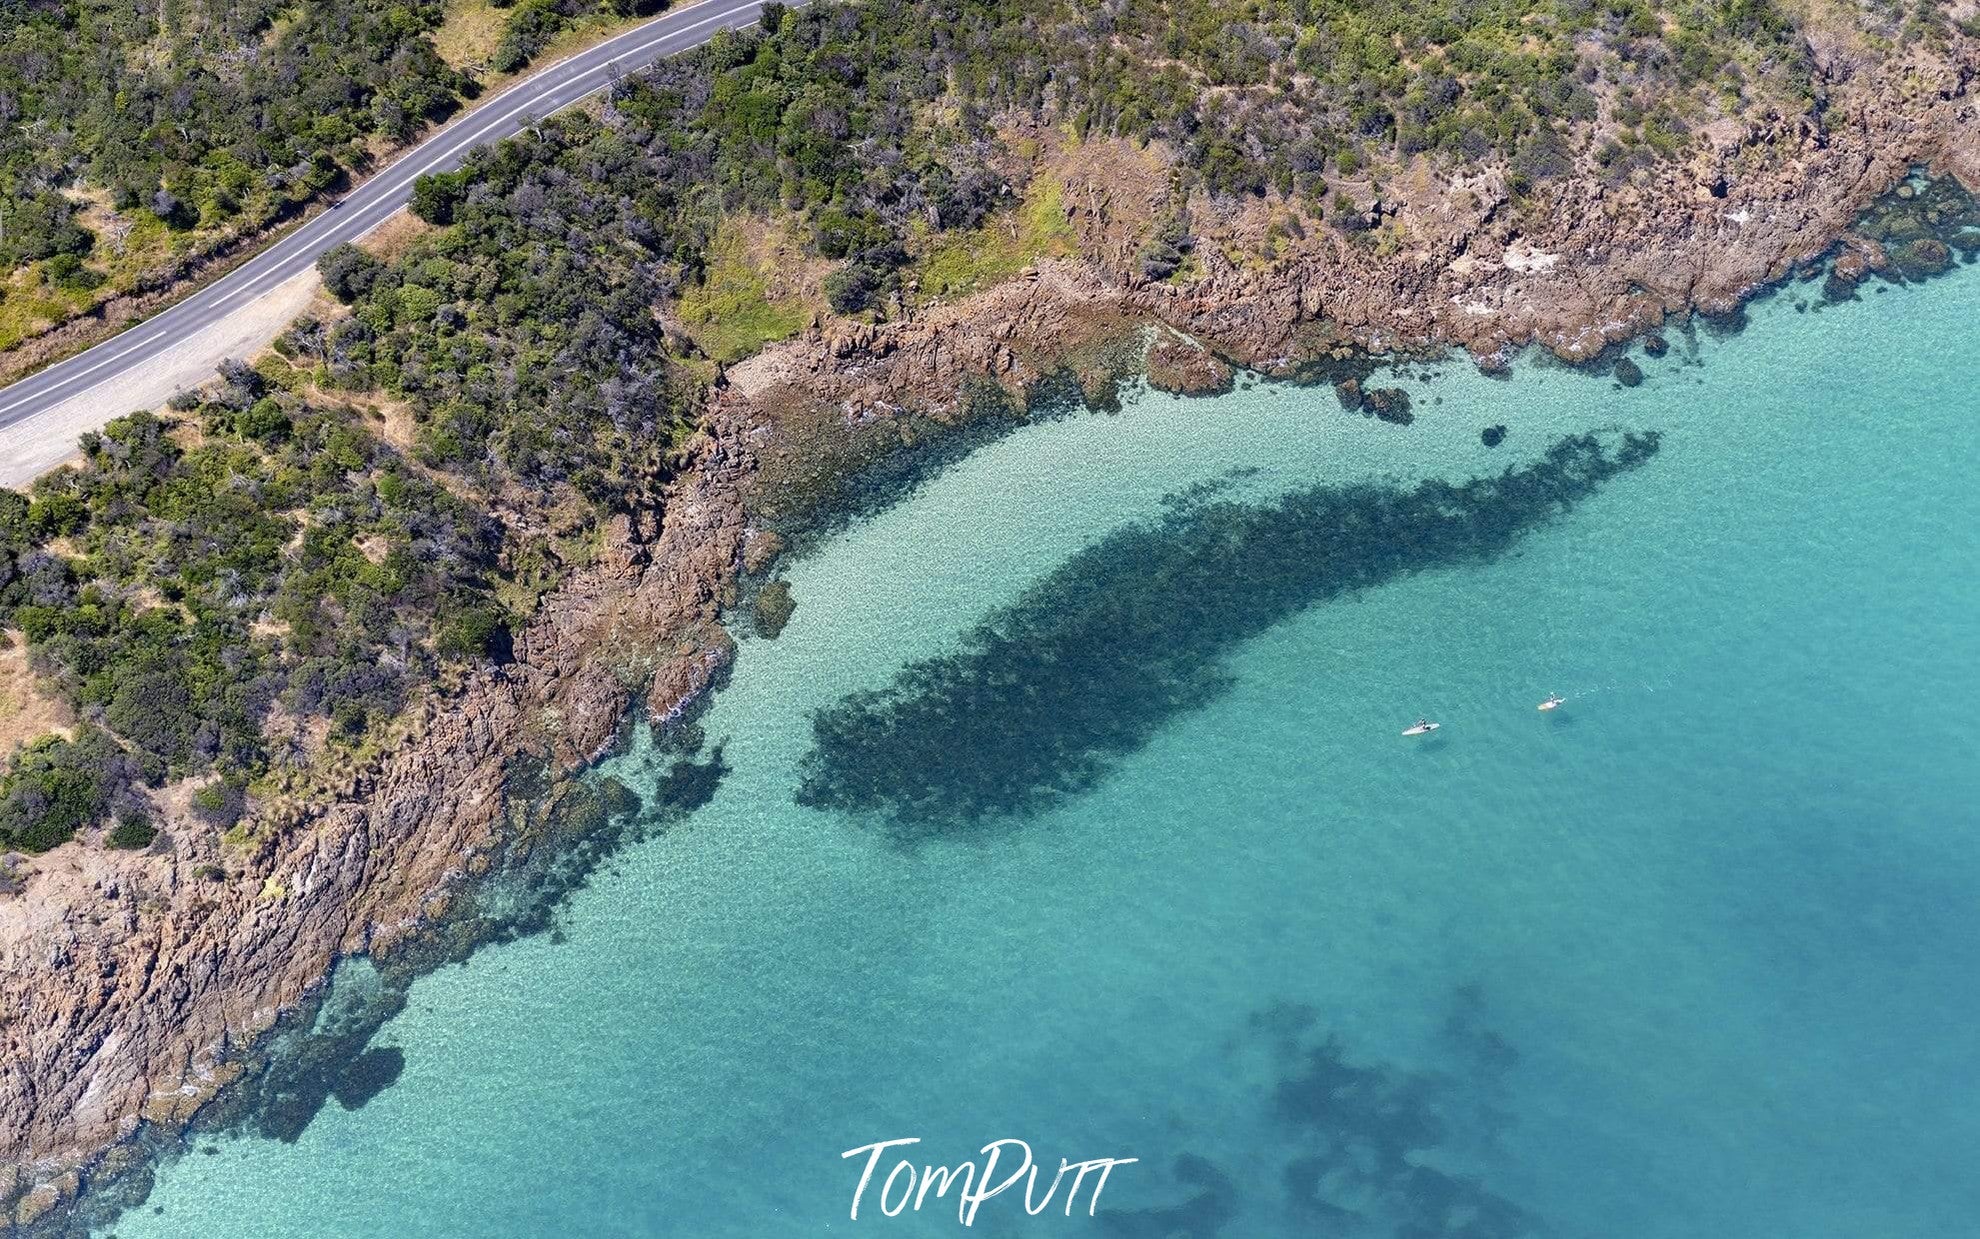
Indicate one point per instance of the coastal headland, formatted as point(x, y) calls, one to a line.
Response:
point(135, 983)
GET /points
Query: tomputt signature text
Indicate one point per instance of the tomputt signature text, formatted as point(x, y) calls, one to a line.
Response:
point(908, 1187)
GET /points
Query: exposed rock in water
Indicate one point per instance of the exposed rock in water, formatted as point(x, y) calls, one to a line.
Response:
point(1186, 368)
point(1919, 226)
point(1628, 373)
point(1492, 436)
point(1349, 393)
point(1923, 258)
point(1656, 346)
point(760, 549)
point(1860, 257)
point(774, 607)
point(1391, 404)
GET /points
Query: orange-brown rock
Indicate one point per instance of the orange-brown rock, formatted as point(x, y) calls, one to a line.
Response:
point(1185, 367)
point(125, 978)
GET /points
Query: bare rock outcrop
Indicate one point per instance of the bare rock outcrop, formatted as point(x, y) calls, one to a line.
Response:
point(1186, 367)
point(127, 979)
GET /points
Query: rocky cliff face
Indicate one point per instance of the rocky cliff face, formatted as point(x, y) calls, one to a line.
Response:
point(127, 981)
point(1579, 266)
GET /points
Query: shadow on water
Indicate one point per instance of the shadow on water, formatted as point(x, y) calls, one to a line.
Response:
point(1044, 696)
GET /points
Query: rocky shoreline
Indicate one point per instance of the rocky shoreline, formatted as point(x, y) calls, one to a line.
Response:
point(1589, 268)
point(134, 988)
point(132, 985)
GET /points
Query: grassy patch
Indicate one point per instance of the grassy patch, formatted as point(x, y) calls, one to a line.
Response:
point(142, 243)
point(732, 314)
point(964, 262)
point(29, 305)
point(27, 710)
point(128, 248)
point(470, 32)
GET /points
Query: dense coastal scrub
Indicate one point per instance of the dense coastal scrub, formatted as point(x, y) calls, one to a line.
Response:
point(227, 597)
point(883, 127)
point(134, 139)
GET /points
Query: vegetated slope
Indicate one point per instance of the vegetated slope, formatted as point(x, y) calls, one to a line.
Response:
point(876, 123)
point(244, 597)
point(134, 136)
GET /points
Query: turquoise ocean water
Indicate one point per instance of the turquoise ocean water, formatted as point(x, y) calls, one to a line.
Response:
point(1693, 956)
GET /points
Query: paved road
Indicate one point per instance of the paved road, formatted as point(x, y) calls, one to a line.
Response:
point(553, 87)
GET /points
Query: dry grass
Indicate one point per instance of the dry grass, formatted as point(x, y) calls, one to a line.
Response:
point(1100, 199)
point(394, 237)
point(391, 420)
point(27, 711)
point(1114, 191)
point(958, 263)
point(760, 287)
point(470, 32)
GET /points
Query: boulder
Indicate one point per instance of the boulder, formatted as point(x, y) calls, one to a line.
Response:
point(774, 607)
point(1185, 368)
point(36, 1203)
point(1923, 258)
point(1391, 404)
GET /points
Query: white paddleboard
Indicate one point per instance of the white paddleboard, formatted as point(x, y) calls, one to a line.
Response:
point(1552, 705)
point(1421, 728)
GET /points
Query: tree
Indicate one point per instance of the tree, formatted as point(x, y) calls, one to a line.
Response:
point(348, 272)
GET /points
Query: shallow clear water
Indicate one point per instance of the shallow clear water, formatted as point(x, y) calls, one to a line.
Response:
point(1691, 956)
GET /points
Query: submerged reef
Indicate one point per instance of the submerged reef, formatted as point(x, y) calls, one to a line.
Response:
point(1919, 230)
point(1387, 1151)
point(1359, 1146)
point(1044, 696)
point(1204, 1214)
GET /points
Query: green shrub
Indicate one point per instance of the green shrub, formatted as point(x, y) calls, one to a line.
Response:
point(266, 421)
point(132, 831)
point(55, 788)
